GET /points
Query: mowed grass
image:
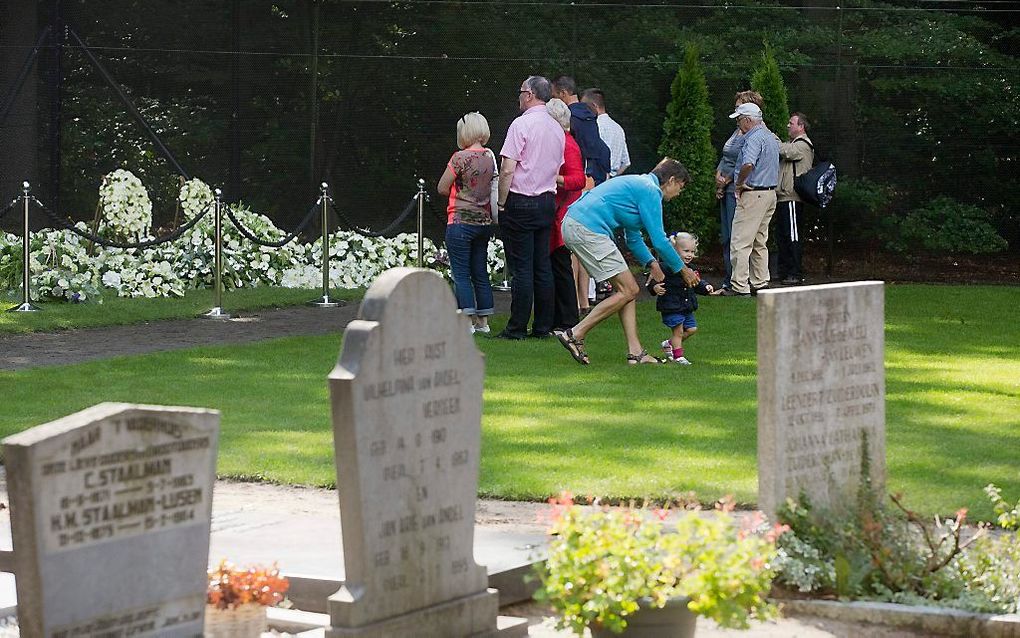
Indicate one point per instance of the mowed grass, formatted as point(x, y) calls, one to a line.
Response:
point(116, 310)
point(953, 405)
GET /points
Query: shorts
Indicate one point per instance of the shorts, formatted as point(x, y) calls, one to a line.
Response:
point(596, 252)
point(674, 319)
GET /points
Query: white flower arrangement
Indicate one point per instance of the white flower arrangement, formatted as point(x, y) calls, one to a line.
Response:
point(125, 205)
point(62, 269)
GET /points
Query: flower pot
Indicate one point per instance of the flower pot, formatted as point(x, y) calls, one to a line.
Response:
point(672, 621)
point(243, 621)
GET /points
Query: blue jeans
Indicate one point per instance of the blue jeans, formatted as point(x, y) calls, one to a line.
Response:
point(468, 246)
point(727, 207)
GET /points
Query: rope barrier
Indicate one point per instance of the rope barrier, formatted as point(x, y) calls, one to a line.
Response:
point(247, 234)
point(67, 225)
point(10, 207)
point(365, 232)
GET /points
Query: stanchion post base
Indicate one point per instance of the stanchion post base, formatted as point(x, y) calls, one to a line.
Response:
point(324, 302)
point(25, 307)
point(216, 313)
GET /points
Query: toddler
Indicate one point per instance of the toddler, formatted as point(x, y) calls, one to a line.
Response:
point(676, 302)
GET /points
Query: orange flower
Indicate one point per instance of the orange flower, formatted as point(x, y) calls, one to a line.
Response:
point(231, 587)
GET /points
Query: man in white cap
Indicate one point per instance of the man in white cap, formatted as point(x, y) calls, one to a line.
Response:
point(755, 188)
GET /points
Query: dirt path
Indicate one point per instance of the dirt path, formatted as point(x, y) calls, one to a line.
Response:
point(33, 350)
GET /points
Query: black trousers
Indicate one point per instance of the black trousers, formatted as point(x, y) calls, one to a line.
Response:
point(526, 224)
point(565, 311)
point(787, 218)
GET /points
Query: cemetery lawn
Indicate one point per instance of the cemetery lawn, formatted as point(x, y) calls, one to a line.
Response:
point(120, 311)
point(953, 404)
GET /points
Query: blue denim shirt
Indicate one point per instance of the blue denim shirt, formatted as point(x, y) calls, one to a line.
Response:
point(730, 154)
point(761, 150)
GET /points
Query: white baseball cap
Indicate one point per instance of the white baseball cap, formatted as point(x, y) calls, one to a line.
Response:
point(747, 110)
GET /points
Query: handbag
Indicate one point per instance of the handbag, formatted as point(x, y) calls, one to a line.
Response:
point(494, 188)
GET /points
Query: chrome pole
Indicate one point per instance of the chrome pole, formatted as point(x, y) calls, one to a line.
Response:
point(324, 301)
point(217, 311)
point(26, 268)
point(421, 223)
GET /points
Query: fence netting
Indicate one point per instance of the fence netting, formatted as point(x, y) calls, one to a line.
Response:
point(266, 100)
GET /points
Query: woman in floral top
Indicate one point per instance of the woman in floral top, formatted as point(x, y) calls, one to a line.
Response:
point(468, 183)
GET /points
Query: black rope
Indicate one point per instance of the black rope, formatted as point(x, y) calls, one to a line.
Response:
point(365, 232)
point(14, 202)
point(274, 244)
point(63, 223)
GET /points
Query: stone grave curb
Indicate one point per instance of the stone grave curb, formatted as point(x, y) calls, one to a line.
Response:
point(930, 620)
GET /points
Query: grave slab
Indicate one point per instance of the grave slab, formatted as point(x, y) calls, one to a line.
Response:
point(821, 391)
point(110, 511)
point(407, 407)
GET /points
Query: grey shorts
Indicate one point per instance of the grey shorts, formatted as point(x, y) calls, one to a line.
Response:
point(596, 252)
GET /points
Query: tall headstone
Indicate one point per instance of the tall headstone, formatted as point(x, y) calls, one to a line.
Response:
point(110, 511)
point(821, 391)
point(407, 407)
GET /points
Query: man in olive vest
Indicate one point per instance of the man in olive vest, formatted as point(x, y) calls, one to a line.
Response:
point(795, 158)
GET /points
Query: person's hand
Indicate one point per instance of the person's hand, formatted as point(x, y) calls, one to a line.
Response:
point(659, 289)
point(719, 192)
point(709, 288)
point(720, 181)
point(690, 277)
point(589, 182)
point(655, 272)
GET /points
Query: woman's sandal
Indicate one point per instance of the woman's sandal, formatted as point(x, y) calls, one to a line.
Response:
point(642, 358)
point(574, 346)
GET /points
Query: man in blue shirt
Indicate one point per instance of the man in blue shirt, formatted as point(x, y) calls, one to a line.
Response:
point(755, 188)
point(633, 203)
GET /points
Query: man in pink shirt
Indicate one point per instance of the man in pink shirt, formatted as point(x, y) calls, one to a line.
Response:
point(532, 155)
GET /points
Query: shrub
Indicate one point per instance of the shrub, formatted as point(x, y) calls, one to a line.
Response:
point(686, 136)
point(767, 80)
point(948, 226)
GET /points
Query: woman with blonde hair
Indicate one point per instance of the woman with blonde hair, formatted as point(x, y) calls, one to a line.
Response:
point(724, 184)
point(467, 182)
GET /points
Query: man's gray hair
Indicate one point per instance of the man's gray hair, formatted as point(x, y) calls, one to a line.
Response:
point(540, 87)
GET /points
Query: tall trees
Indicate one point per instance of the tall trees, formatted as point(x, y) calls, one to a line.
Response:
point(768, 80)
point(687, 136)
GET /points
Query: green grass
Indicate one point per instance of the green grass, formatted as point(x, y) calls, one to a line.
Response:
point(120, 311)
point(953, 404)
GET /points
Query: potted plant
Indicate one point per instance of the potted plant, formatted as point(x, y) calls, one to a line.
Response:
point(623, 570)
point(237, 598)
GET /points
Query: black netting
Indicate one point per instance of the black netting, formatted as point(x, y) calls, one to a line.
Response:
point(268, 99)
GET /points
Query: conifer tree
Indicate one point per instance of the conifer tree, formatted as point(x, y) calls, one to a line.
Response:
point(767, 79)
point(687, 137)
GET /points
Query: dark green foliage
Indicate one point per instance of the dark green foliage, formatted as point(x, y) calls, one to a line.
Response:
point(767, 79)
point(687, 136)
point(945, 225)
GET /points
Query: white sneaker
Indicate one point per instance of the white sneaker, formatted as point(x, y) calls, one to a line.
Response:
point(682, 361)
point(482, 329)
point(667, 349)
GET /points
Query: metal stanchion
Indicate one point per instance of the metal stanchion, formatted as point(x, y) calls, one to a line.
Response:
point(217, 311)
point(505, 286)
point(421, 223)
point(26, 268)
point(324, 301)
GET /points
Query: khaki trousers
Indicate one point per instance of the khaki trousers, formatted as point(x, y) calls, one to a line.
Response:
point(748, 252)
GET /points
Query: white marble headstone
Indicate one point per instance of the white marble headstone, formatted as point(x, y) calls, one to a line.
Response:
point(110, 511)
point(407, 405)
point(821, 391)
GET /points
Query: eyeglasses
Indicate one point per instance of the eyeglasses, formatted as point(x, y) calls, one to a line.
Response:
point(523, 91)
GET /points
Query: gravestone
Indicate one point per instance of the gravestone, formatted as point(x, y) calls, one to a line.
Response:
point(110, 511)
point(821, 391)
point(407, 406)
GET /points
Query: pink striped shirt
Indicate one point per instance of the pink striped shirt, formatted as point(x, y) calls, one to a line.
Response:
point(535, 141)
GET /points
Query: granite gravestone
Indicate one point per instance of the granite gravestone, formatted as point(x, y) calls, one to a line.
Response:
point(407, 406)
point(821, 391)
point(110, 511)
